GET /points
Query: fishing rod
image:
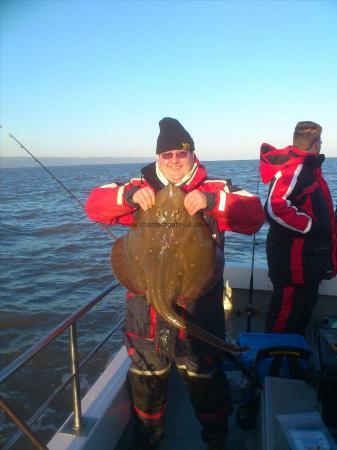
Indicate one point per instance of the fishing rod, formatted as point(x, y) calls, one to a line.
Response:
point(73, 196)
point(251, 310)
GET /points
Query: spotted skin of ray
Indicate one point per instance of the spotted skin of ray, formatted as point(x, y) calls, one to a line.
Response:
point(170, 258)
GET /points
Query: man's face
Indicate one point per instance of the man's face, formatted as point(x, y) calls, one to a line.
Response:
point(175, 164)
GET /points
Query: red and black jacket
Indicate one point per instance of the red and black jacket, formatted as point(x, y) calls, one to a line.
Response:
point(301, 242)
point(229, 208)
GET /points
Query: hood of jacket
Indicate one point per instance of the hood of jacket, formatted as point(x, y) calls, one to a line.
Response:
point(272, 160)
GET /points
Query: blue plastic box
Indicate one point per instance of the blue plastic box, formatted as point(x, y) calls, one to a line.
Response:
point(259, 341)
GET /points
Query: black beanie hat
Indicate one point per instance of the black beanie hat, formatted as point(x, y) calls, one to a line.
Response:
point(173, 136)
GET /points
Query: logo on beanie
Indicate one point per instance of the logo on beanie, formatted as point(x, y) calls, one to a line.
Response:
point(185, 146)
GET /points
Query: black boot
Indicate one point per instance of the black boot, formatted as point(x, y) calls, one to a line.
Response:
point(215, 437)
point(217, 442)
point(147, 438)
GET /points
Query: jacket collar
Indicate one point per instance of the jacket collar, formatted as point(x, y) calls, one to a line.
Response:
point(153, 175)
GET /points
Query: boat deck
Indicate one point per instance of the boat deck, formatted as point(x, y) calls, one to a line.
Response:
point(183, 429)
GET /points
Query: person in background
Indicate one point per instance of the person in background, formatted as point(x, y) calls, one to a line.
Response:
point(301, 241)
point(224, 207)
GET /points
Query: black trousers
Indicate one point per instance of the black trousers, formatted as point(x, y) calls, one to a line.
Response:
point(202, 375)
point(291, 307)
point(154, 346)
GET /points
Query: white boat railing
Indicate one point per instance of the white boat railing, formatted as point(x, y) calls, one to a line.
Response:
point(238, 276)
point(25, 427)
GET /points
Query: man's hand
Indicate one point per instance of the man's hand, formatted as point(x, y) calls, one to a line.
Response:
point(145, 198)
point(195, 201)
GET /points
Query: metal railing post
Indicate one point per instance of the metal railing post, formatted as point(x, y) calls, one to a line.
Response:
point(77, 426)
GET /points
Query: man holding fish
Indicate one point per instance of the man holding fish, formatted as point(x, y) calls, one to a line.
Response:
point(185, 278)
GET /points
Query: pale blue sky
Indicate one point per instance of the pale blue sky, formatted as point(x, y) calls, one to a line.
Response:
point(93, 78)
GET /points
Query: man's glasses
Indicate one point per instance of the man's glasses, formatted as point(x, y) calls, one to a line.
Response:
point(181, 154)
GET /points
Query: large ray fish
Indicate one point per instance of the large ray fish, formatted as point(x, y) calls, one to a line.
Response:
point(171, 258)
